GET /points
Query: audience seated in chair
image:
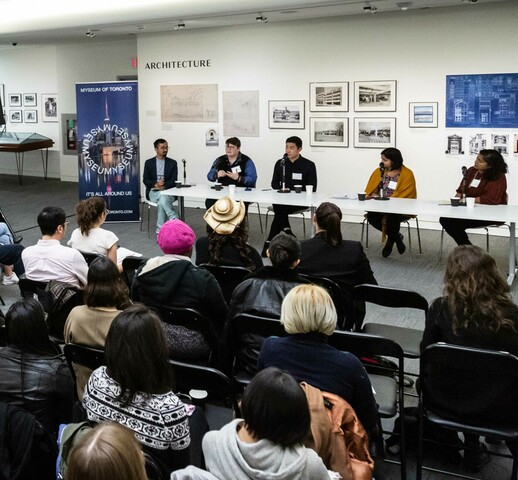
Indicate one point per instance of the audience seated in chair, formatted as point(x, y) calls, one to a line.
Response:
point(309, 317)
point(134, 388)
point(105, 295)
point(475, 311)
point(173, 280)
point(9, 255)
point(107, 452)
point(343, 261)
point(268, 441)
point(35, 376)
point(49, 260)
point(89, 237)
point(227, 237)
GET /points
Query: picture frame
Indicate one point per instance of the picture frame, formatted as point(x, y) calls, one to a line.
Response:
point(15, 100)
point(423, 114)
point(329, 132)
point(374, 132)
point(329, 97)
point(69, 133)
point(15, 116)
point(49, 107)
point(30, 116)
point(30, 99)
point(286, 114)
point(375, 96)
point(2, 94)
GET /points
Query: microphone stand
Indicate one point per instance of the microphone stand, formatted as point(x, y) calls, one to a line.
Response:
point(462, 201)
point(380, 186)
point(185, 184)
point(283, 188)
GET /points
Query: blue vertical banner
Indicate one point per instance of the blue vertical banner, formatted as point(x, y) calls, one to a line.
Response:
point(108, 154)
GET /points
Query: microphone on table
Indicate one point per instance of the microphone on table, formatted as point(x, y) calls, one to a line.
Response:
point(464, 171)
point(382, 169)
point(185, 184)
point(283, 165)
point(380, 187)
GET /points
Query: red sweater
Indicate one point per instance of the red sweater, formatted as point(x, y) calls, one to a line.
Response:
point(491, 192)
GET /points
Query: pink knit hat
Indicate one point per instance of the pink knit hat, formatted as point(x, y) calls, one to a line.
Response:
point(175, 237)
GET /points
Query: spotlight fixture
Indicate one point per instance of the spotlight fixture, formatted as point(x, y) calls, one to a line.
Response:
point(370, 8)
point(179, 26)
point(261, 18)
point(404, 5)
point(90, 33)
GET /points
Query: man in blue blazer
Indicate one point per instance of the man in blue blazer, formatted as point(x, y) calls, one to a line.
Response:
point(160, 173)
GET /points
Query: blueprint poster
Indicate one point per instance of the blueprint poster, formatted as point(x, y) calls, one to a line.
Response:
point(107, 130)
point(482, 101)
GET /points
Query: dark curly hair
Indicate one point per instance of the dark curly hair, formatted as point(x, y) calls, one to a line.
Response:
point(495, 162)
point(238, 238)
point(88, 212)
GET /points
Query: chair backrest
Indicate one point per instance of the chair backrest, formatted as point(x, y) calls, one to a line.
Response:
point(255, 324)
point(129, 267)
point(390, 297)
point(90, 257)
point(228, 277)
point(31, 288)
point(190, 376)
point(89, 357)
point(337, 295)
point(470, 385)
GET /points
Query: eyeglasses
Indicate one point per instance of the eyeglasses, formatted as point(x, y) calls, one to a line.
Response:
point(66, 223)
point(106, 212)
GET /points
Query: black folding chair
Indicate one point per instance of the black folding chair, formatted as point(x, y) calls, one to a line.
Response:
point(471, 390)
point(130, 265)
point(228, 277)
point(90, 257)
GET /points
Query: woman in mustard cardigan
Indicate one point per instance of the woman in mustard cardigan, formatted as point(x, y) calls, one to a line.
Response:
point(398, 181)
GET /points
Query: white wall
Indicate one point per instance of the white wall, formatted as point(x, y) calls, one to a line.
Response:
point(416, 48)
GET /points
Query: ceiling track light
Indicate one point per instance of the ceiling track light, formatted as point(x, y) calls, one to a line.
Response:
point(370, 8)
point(179, 26)
point(404, 5)
point(261, 18)
point(90, 33)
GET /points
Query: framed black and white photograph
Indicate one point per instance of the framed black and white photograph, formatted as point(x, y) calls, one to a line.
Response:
point(30, 116)
point(329, 132)
point(15, 99)
point(15, 116)
point(375, 96)
point(329, 97)
point(30, 100)
point(374, 132)
point(288, 114)
point(49, 107)
point(423, 114)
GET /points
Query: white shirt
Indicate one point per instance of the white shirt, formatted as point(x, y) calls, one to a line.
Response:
point(98, 241)
point(49, 260)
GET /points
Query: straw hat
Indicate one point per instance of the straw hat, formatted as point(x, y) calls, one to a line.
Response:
point(225, 215)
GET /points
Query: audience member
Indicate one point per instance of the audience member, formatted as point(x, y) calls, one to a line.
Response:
point(343, 261)
point(233, 168)
point(35, 376)
point(90, 237)
point(105, 295)
point(268, 441)
point(134, 388)
point(49, 260)
point(161, 173)
point(107, 452)
point(227, 237)
point(292, 169)
point(10, 259)
point(486, 183)
point(391, 179)
point(173, 280)
point(309, 318)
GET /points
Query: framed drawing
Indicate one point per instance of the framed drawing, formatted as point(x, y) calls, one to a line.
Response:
point(49, 107)
point(329, 132)
point(30, 116)
point(375, 96)
point(288, 114)
point(423, 114)
point(374, 132)
point(15, 116)
point(329, 97)
point(15, 100)
point(29, 99)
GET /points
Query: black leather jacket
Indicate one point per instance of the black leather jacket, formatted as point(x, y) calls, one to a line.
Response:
point(40, 384)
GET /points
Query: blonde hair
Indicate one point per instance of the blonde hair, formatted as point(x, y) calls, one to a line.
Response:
point(308, 308)
point(108, 452)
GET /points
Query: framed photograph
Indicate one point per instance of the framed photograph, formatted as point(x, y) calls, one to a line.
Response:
point(329, 132)
point(30, 100)
point(30, 116)
point(329, 97)
point(2, 94)
point(423, 114)
point(15, 116)
point(374, 132)
point(15, 100)
point(288, 114)
point(49, 107)
point(376, 96)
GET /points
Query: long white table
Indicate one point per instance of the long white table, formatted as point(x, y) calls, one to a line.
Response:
point(435, 210)
point(265, 196)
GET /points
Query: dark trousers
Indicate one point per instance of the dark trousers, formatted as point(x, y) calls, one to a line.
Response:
point(12, 255)
point(456, 228)
point(393, 223)
point(281, 219)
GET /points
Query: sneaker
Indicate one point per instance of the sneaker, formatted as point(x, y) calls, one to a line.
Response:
point(400, 245)
point(288, 231)
point(10, 279)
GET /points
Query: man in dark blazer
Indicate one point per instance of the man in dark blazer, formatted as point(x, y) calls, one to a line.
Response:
point(160, 173)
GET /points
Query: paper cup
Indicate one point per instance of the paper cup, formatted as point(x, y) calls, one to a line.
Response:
point(232, 191)
point(470, 202)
